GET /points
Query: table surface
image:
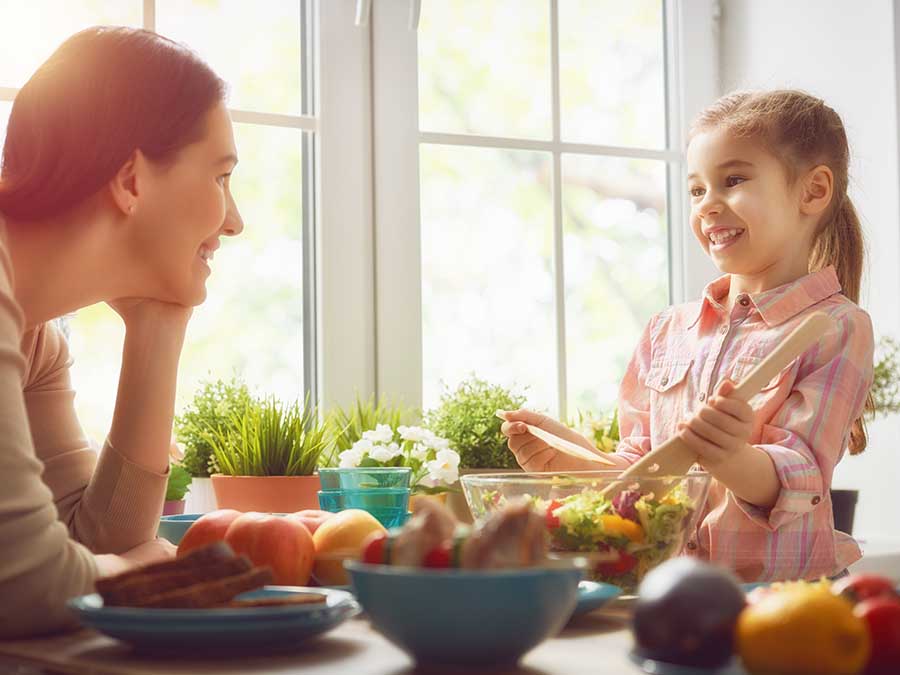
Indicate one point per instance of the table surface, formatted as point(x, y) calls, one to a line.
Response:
point(596, 643)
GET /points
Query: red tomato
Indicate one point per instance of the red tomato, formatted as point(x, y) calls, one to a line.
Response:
point(882, 615)
point(207, 529)
point(283, 544)
point(624, 564)
point(859, 587)
point(438, 557)
point(375, 549)
point(312, 518)
point(552, 521)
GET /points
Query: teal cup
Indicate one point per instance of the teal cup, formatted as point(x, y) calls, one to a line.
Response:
point(359, 478)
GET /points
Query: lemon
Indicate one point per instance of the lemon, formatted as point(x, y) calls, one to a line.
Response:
point(802, 630)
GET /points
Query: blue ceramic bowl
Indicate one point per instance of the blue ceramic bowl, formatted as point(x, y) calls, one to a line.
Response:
point(465, 617)
point(174, 527)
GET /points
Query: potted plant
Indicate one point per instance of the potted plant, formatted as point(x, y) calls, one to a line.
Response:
point(209, 411)
point(176, 488)
point(434, 466)
point(349, 425)
point(466, 417)
point(266, 457)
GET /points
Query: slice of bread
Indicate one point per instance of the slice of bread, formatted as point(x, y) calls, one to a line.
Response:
point(207, 577)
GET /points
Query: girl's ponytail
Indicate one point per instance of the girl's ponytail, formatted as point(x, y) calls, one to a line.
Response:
point(841, 244)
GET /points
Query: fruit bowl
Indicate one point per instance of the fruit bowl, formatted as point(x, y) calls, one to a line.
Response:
point(643, 525)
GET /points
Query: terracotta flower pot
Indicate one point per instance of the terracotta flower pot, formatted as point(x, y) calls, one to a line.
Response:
point(173, 507)
point(271, 494)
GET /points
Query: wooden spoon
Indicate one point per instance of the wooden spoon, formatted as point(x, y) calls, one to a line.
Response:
point(561, 444)
point(673, 457)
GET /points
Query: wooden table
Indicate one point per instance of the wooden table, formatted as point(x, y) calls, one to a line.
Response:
point(597, 643)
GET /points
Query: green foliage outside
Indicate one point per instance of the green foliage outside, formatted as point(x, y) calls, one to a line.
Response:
point(466, 417)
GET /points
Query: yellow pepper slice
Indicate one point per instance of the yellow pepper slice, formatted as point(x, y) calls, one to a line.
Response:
point(617, 525)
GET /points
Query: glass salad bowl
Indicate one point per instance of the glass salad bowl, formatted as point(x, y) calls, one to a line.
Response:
point(645, 524)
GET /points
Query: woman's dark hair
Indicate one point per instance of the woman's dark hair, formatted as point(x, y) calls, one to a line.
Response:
point(104, 93)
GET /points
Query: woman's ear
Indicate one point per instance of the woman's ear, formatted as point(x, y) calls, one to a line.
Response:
point(123, 187)
point(817, 190)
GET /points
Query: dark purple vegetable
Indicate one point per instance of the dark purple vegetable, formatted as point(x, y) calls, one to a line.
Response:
point(686, 613)
point(624, 502)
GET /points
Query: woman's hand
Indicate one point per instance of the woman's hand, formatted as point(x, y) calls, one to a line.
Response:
point(532, 453)
point(720, 430)
point(155, 550)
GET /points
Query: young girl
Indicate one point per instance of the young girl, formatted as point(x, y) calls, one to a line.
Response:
point(114, 187)
point(767, 179)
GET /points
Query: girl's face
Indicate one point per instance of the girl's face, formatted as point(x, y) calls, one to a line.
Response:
point(182, 211)
point(743, 211)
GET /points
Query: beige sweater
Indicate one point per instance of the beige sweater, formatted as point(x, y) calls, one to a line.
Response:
point(59, 502)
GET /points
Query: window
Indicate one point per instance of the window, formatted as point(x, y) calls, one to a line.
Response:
point(547, 225)
point(259, 316)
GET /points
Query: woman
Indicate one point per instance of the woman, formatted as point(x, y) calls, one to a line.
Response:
point(114, 187)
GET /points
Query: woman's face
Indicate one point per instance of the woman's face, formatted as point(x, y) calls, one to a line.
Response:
point(182, 211)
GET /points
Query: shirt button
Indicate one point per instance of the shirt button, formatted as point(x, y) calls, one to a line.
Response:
point(744, 301)
point(724, 329)
point(691, 546)
point(702, 396)
point(665, 381)
point(815, 500)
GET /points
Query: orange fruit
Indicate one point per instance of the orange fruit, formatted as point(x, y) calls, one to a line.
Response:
point(341, 536)
point(802, 630)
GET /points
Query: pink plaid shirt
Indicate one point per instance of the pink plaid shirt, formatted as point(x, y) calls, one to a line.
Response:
point(803, 416)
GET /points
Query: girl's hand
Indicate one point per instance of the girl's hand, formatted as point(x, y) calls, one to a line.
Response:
point(720, 429)
point(532, 453)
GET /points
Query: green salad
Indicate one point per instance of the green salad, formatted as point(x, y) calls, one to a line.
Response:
point(643, 530)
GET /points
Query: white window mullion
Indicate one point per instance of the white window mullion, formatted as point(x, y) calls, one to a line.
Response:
point(559, 275)
point(149, 22)
point(398, 255)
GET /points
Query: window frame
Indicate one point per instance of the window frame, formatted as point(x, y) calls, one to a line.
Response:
point(692, 82)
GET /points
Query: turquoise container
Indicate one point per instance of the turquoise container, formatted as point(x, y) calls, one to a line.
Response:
point(358, 478)
point(388, 505)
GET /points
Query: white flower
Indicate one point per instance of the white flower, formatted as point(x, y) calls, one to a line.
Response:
point(381, 434)
point(385, 453)
point(419, 451)
point(445, 467)
point(362, 446)
point(350, 458)
point(416, 434)
point(437, 442)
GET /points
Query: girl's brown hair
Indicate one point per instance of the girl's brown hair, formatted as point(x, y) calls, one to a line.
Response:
point(802, 132)
point(105, 92)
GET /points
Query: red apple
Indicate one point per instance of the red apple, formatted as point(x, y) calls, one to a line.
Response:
point(207, 529)
point(312, 518)
point(283, 544)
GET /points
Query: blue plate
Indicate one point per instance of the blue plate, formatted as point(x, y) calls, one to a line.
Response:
point(593, 594)
point(224, 628)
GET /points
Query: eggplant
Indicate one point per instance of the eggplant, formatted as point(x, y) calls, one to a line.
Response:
point(686, 613)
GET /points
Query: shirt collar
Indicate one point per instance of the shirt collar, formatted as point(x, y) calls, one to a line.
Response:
point(779, 304)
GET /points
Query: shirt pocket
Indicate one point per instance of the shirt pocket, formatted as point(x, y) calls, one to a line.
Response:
point(744, 364)
point(665, 376)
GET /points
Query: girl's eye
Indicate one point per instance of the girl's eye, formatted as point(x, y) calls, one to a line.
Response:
point(696, 191)
point(731, 181)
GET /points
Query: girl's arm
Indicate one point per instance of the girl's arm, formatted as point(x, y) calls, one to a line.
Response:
point(805, 438)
